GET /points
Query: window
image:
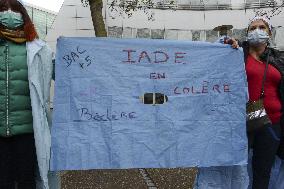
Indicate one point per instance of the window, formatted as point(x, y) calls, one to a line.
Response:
point(154, 98)
point(143, 33)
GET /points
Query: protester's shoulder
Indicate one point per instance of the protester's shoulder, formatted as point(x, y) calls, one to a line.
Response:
point(277, 54)
point(39, 44)
point(243, 44)
point(42, 50)
point(43, 44)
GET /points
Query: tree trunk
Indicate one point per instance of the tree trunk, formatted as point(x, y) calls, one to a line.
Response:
point(98, 21)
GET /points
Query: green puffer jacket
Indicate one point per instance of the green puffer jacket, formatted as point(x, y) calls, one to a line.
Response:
point(15, 103)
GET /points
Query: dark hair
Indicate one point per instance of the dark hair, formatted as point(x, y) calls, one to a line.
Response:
point(14, 5)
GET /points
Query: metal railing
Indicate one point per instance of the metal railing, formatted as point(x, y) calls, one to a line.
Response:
point(195, 6)
point(222, 6)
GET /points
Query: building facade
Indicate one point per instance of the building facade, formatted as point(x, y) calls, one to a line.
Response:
point(42, 19)
point(195, 20)
point(173, 19)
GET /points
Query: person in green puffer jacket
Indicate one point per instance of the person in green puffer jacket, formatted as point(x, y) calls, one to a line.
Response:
point(18, 156)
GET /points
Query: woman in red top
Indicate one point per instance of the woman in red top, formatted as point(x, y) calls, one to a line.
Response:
point(264, 142)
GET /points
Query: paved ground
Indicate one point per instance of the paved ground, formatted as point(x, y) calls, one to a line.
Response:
point(128, 179)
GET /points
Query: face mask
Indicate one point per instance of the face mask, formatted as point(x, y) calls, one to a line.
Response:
point(11, 19)
point(258, 36)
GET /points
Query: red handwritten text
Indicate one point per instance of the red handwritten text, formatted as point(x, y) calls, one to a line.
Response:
point(157, 57)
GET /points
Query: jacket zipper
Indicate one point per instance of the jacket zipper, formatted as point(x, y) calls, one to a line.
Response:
point(7, 90)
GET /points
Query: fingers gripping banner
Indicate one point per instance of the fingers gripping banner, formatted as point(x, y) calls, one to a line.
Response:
point(101, 122)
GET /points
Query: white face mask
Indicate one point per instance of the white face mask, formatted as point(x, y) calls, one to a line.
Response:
point(257, 37)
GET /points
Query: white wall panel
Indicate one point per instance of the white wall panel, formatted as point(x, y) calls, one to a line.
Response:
point(84, 23)
point(171, 34)
point(184, 35)
point(69, 11)
point(279, 38)
point(83, 12)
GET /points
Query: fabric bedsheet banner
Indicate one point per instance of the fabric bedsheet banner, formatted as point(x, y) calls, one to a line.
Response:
point(101, 122)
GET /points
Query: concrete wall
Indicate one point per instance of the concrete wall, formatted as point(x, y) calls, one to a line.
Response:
point(74, 19)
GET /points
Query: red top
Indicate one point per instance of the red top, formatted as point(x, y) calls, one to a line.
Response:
point(272, 103)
